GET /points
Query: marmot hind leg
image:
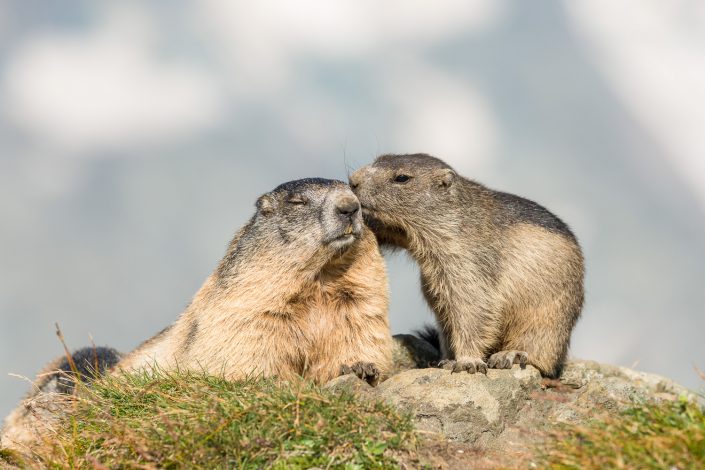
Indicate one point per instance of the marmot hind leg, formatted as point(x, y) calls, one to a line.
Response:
point(545, 345)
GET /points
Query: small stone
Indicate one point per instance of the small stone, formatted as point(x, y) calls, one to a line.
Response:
point(348, 382)
point(462, 406)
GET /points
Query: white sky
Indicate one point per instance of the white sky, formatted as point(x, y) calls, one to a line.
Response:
point(109, 88)
point(77, 92)
point(652, 53)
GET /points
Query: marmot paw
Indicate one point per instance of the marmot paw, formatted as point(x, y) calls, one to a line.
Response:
point(469, 364)
point(506, 359)
point(364, 370)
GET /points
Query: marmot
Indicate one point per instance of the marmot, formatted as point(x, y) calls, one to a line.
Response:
point(503, 275)
point(301, 291)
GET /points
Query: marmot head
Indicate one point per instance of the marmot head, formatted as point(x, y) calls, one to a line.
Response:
point(312, 212)
point(398, 192)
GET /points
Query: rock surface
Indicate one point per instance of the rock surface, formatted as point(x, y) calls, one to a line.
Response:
point(506, 409)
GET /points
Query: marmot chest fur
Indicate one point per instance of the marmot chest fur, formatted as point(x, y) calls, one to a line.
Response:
point(301, 291)
point(503, 275)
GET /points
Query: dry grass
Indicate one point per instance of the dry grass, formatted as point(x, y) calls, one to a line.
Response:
point(188, 420)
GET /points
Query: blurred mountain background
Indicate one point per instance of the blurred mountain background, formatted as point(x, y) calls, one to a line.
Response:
point(136, 136)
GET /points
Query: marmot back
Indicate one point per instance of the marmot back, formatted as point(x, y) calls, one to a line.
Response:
point(503, 275)
point(301, 291)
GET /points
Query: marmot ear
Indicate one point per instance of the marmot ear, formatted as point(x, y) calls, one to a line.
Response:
point(265, 205)
point(446, 178)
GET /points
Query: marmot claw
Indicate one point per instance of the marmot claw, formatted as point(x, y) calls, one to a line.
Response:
point(471, 365)
point(364, 370)
point(506, 359)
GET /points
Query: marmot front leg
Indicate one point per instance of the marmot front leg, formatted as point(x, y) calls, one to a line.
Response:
point(506, 359)
point(364, 370)
point(470, 334)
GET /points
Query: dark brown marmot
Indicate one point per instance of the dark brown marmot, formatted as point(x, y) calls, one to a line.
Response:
point(503, 275)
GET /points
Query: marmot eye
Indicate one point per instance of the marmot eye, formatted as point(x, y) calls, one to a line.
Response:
point(296, 200)
point(401, 178)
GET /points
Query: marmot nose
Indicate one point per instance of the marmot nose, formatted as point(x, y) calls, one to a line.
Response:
point(354, 180)
point(347, 207)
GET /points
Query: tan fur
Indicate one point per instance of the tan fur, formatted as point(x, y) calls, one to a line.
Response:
point(288, 311)
point(501, 273)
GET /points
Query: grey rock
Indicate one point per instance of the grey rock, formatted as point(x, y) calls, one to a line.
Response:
point(350, 383)
point(462, 406)
point(506, 410)
point(621, 383)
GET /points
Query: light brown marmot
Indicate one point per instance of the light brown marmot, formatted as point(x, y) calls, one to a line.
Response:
point(301, 291)
point(503, 275)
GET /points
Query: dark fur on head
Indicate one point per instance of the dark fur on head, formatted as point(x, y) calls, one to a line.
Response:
point(418, 160)
point(302, 184)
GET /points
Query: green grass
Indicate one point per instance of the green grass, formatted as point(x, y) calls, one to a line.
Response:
point(652, 435)
point(188, 420)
